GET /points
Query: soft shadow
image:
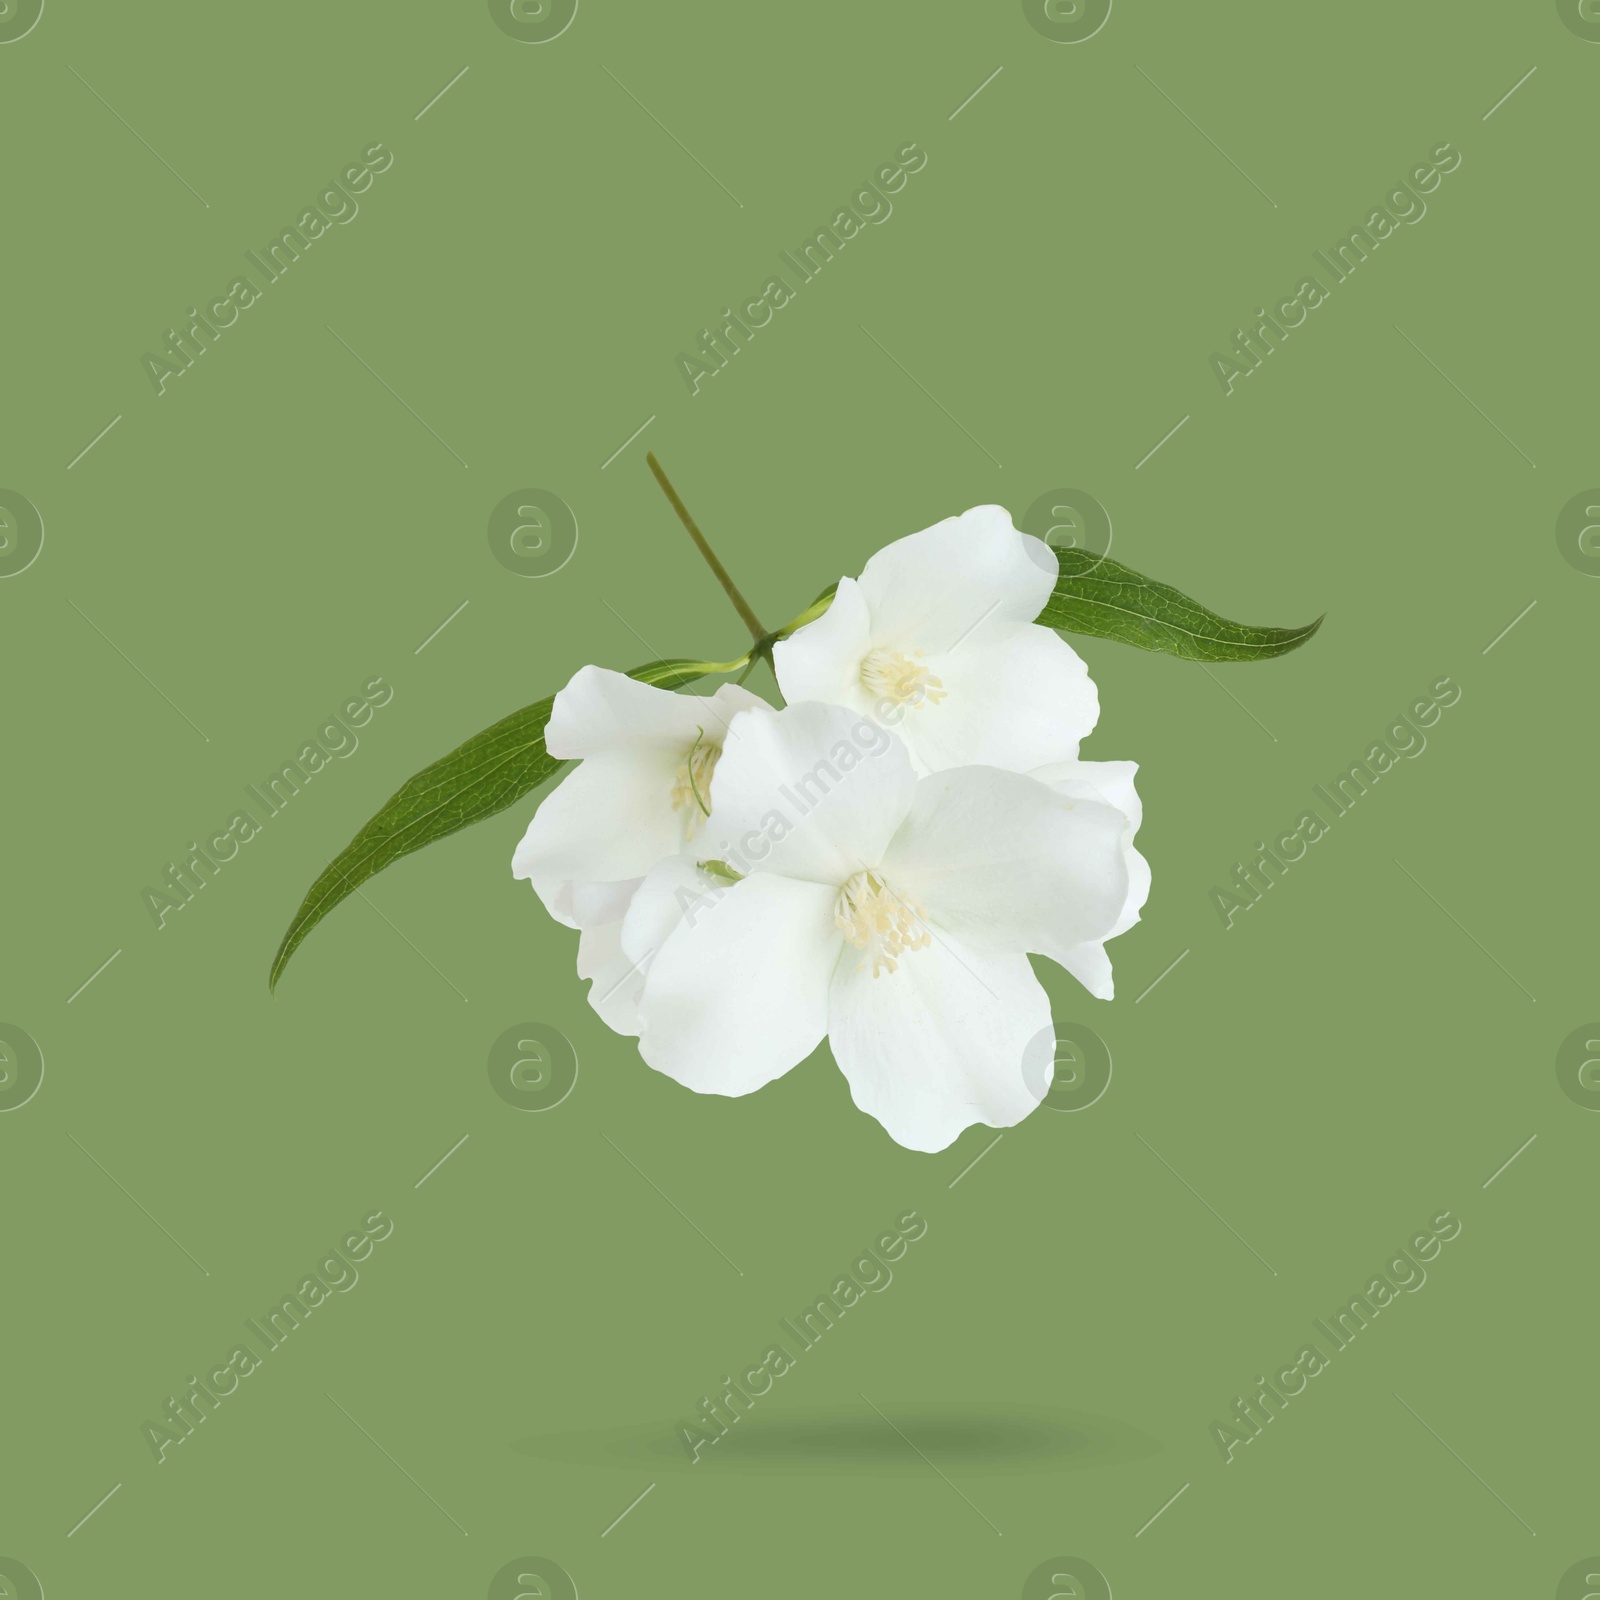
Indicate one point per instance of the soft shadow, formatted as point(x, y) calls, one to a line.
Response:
point(905, 1439)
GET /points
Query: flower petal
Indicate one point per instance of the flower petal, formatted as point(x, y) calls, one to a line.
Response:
point(812, 792)
point(626, 926)
point(1112, 783)
point(596, 903)
point(1015, 696)
point(1001, 863)
point(738, 994)
point(616, 980)
point(609, 820)
point(939, 1044)
point(674, 888)
point(822, 661)
point(1090, 965)
point(601, 710)
point(929, 590)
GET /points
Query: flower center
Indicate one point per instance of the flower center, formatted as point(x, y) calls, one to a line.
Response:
point(879, 921)
point(691, 787)
point(901, 679)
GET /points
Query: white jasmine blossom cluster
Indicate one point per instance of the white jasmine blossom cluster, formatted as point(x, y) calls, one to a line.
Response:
point(872, 864)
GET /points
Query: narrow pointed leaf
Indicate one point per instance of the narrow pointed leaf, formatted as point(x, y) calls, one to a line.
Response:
point(810, 614)
point(491, 771)
point(1107, 600)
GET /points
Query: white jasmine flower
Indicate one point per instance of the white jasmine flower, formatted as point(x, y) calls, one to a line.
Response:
point(646, 757)
point(833, 894)
point(937, 640)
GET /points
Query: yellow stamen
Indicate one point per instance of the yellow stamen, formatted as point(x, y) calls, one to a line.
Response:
point(901, 679)
point(693, 782)
point(879, 921)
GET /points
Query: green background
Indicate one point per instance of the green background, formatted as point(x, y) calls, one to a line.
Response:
point(1355, 1054)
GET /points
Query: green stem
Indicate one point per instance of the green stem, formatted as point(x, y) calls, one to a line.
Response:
point(740, 604)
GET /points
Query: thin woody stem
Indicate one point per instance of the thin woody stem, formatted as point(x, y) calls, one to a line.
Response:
point(740, 604)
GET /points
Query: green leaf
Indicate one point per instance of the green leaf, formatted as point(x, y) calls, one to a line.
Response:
point(810, 614)
point(491, 771)
point(1107, 600)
